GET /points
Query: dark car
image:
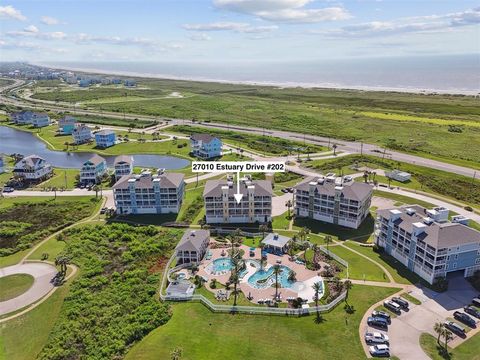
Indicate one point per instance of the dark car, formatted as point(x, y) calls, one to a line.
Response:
point(377, 322)
point(476, 302)
point(403, 303)
point(472, 311)
point(464, 318)
point(381, 314)
point(455, 328)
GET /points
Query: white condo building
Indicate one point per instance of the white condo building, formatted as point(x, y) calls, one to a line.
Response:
point(160, 193)
point(332, 200)
point(221, 206)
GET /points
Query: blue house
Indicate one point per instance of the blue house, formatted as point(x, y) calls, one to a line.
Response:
point(66, 125)
point(205, 146)
point(93, 170)
point(2, 164)
point(84, 83)
point(130, 83)
point(105, 138)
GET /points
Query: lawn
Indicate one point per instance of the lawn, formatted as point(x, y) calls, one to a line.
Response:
point(14, 285)
point(206, 335)
point(402, 200)
point(466, 351)
point(281, 221)
point(359, 268)
point(61, 179)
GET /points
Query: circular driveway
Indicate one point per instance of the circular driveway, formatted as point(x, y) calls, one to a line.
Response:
point(41, 272)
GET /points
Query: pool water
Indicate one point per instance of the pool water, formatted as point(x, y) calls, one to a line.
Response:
point(263, 279)
point(223, 264)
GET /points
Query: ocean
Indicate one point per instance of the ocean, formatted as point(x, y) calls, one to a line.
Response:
point(444, 74)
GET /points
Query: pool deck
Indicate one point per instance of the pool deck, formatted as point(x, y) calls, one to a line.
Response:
point(306, 277)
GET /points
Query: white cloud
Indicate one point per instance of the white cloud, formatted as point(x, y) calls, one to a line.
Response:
point(33, 32)
point(9, 12)
point(200, 37)
point(230, 26)
point(290, 11)
point(419, 24)
point(114, 40)
point(48, 20)
point(31, 29)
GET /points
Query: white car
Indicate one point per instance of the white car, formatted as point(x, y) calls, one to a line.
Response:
point(379, 350)
point(376, 338)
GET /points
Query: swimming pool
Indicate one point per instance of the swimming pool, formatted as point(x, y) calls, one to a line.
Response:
point(263, 279)
point(221, 265)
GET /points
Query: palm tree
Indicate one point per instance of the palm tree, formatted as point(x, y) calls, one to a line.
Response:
point(317, 287)
point(66, 143)
point(289, 205)
point(176, 353)
point(305, 247)
point(234, 278)
point(334, 147)
point(96, 189)
point(447, 334)
point(301, 233)
point(54, 189)
point(315, 249)
point(262, 263)
point(347, 285)
point(263, 228)
point(365, 176)
point(328, 240)
point(276, 271)
point(62, 261)
point(438, 328)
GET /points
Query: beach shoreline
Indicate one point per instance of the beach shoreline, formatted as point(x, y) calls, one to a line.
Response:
point(326, 86)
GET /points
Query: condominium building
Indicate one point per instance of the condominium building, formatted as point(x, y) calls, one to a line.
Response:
point(222, 207)
point(205, 146)
point(333, 200)
point(105, 138)
point(427, 243)
point(93, 170)
point(81, 134)
point(123, 166)
point(160, 193)
point(32, 168)
point(66, 125)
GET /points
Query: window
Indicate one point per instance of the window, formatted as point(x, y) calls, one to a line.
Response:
point(455, 257)
point(454, 265)
point(477, 261)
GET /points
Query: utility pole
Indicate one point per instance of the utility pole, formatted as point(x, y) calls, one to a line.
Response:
point(361, 148)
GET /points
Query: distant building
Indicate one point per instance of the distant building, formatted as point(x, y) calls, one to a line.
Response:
point(71, 79)
point(81, 134)
point(123, 166)
point(116, 81)
point(93, 170)
point(426, 242)
point(105, 138)
point(130, 83)
point(161, 193)
point(29, 117)
point(333, 201)
point(221, 206)
point(2, 163)
point(32, 168)
point(66, 125)
point(205, 146)
point(192, 247)
point(106, 81)
point(398, 175)
point(84, 83)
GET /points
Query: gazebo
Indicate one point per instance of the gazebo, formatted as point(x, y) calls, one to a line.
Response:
point(276, 243)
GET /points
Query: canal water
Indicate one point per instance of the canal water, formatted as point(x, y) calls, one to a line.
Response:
point(25, 143)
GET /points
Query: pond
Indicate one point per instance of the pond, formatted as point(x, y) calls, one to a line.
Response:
point(26, 143)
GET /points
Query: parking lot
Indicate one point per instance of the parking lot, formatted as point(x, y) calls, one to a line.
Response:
point(405, 329)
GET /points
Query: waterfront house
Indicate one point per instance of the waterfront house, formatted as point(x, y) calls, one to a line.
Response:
point(145, 193)
point(32, 168)
point(66, 125)
point(205, 146)
point(40, 120)
point(81, 134)
point(333, 200)
point(105, 138)
point(93, 170)
point(192, 247)
point(123, 166)
point(2, 163)
point(427, 243)
point(222, 207)
point(30, 118)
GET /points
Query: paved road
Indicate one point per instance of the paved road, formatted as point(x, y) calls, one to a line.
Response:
point(344, 146)
point(42, 273)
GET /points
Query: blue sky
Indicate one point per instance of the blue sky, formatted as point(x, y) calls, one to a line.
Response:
point(235, 30)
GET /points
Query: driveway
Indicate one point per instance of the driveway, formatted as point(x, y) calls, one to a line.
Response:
point(42, 274)
point(278, 204)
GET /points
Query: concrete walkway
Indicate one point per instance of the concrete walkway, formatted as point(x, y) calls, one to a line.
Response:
point(42, 273)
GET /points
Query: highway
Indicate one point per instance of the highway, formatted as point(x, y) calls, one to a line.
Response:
point(352, 147)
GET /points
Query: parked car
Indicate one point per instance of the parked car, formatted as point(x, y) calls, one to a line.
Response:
point(464, 318)
point(290, 190)
point(472, 311)
point(381, 314)
point(378, 322)
point(390, 305)
point(455, 328)
point(379, 350)
point(284, 190)
point(403, 303)
point(8, 189)
point(476, 302)
point(347, 178)
point(376, 338)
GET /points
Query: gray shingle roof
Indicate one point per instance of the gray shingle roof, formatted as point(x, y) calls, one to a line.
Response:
point(213, 188)
point(438, 235)
point(351, 190)
point(167, 181)
point(123, 159)
point(206, 138)
point(193, 240)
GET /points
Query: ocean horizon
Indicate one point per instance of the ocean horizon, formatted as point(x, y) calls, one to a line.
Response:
point(455, 74)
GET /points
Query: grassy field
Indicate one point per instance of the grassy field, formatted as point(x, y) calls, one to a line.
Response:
point(467, 351)
point(344, 114)
point(14, 285)
point(205, 335)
